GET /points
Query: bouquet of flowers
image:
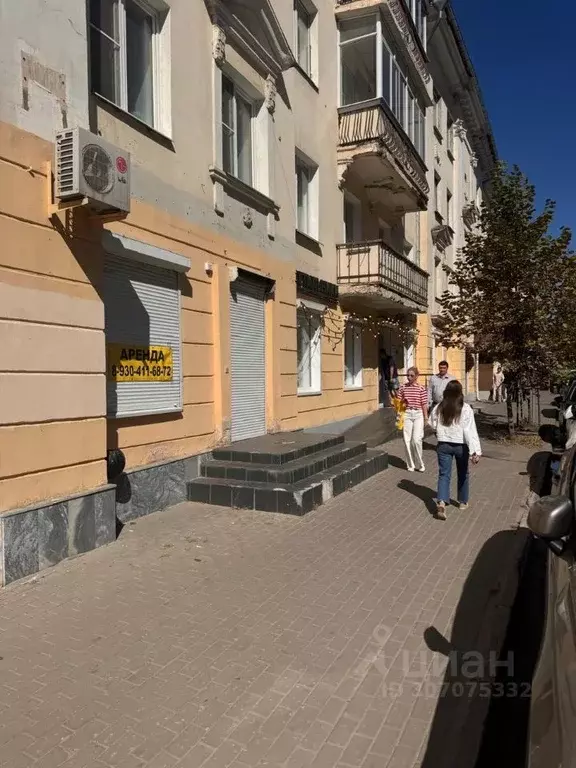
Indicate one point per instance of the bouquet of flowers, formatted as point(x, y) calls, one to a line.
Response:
point(400, 408)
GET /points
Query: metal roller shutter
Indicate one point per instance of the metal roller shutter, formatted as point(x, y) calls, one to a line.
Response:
point(248, 370)
point(142, 309)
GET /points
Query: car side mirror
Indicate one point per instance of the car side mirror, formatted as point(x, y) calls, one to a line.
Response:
point(551, 518)
point(552, 435)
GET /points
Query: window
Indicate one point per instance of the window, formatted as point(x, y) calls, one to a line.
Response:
point(304, 38)
point(358, 60)
point(309, 351)
point(436, 190)
point(237, 116)
point(417, 252)
point(353, 356)
point(418, 13)
point(306, 198)
point(438, 113)
point(143, 338)
point(125, 66)
point(450, 138)
point(449, 208)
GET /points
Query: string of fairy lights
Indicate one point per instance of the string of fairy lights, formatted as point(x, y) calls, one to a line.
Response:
point(333, 324)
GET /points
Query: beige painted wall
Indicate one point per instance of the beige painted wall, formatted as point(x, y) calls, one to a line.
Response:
point(53, 430)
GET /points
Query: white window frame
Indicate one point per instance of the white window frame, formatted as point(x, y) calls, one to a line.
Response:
point(353, 371)
point(239, 94)
point(158, 12)
point(303, 164)
point(307, 10)
point(312, 358)
point(342, 44)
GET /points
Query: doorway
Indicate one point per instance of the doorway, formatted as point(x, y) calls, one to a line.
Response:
point(248, 357)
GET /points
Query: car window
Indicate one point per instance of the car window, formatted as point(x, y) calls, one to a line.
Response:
point(571, 393)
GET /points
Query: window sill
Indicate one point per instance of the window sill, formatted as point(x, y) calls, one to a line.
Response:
point(307, 241)
point(253, 196)
point(311, 393)
point(353, 389)
point(306, 77)
point(135, 122)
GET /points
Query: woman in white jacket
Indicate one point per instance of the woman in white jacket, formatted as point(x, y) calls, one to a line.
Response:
point(455, 427)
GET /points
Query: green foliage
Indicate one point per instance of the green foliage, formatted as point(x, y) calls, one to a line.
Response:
point(515, 285)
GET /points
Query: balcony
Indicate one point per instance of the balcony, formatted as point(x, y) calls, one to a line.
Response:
point(407, 32)
point(373, 276)
point(372, 142)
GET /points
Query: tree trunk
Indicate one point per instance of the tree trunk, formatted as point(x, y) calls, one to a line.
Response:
point(509, 412)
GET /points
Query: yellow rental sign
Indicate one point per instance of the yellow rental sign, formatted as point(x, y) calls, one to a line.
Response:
point(128, 363)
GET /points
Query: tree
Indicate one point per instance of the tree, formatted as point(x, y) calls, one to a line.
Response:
point(513, 287)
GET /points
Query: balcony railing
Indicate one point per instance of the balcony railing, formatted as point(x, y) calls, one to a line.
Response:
point(376, 264)
point(373, 121)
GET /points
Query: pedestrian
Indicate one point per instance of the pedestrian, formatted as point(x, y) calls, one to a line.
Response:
point(455, 426)
point(415, 397)
point(437, 384)
point(498, 383)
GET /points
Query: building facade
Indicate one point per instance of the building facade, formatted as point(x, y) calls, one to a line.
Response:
point(272, 236)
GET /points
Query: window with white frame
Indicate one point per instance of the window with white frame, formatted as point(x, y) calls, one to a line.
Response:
point(362, 49)
point(306, 197)
point(358, 60)
point(129, 60)
point(309, 351)
point(353, 356)
point(418, 13)
point(237, 118)
point(304, 22)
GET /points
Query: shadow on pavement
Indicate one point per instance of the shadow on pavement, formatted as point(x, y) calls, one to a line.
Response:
point(472, 651)
point(427, 495)
point(505, 738)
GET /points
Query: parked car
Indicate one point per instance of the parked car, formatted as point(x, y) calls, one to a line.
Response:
point(552, 731)
point(565, 398)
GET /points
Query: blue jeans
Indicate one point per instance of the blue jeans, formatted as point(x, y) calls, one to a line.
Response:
point(447, 451)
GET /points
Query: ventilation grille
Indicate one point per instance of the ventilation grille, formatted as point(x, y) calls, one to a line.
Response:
point(65, 165)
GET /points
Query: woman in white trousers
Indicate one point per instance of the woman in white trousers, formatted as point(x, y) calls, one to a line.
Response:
point(415, 397)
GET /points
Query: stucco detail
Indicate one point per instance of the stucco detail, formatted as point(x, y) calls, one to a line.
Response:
point(218, 45)
point(270, 94)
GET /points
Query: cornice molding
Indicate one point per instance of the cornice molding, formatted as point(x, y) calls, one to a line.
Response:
point(236, 20)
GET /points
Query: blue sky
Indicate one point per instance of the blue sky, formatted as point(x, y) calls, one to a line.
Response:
point(524, 54)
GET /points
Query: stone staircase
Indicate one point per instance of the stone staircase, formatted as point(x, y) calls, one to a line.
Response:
point(289, 472)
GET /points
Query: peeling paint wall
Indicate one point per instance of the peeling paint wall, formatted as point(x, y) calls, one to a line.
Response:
point(43, 65)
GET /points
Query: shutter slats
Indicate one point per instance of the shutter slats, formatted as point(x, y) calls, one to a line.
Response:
point(248, 372)
point(142, 305)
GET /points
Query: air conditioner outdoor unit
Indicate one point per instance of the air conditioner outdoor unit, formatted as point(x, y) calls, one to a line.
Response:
point(87, 167)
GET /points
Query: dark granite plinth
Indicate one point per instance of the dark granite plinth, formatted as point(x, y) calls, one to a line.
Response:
point(38, 537)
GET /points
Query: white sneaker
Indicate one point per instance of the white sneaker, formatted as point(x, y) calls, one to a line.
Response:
point(422, 469)
point(410, 469)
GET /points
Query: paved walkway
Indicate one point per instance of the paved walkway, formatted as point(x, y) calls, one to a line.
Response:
point(207, 637)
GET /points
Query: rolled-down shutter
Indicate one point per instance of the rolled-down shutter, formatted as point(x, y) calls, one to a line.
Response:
point(142, 308)
point(248, 369)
